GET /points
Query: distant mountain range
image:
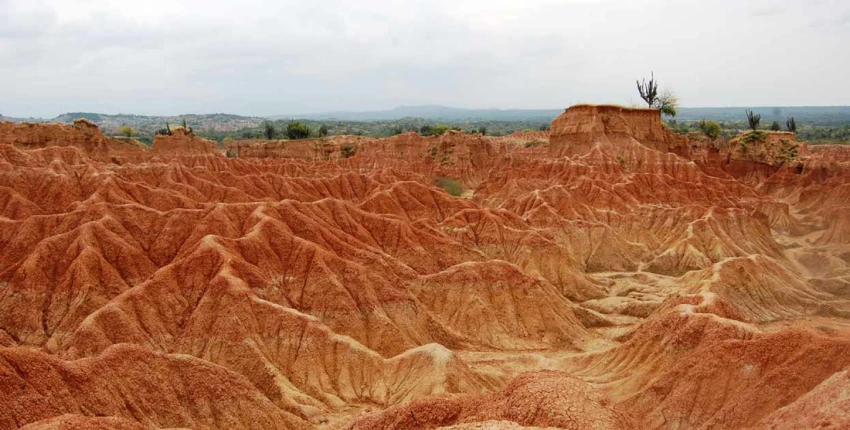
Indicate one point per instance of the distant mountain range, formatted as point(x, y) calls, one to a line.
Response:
point(433, 112)
point(810, 114)
point(815, 115)
point(218, 122)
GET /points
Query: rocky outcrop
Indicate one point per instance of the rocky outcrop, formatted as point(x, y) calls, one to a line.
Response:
point(584, 127)
point(82, 134)
point(184, 142)
point(756, 155)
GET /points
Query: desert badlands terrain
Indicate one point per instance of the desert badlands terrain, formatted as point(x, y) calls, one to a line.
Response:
point(608, 274)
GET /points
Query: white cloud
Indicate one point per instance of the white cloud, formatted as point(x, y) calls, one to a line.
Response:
point(269, 57)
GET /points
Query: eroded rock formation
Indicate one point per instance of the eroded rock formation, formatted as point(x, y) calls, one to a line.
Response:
point(608, 274)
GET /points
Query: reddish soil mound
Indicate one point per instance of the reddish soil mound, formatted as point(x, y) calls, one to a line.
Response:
point(643, 278)
point(825, 407)
point(132, 383)
point(82, 134)
point(542, 399)
point(80, 422)
point(185, 142)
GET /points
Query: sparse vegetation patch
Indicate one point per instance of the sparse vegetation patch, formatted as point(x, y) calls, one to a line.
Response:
point(451, 186)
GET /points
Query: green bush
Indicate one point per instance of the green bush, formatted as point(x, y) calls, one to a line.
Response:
point(451, 186)
point(297, 130)
point(754, 136)
point(440, 129)
point(710, 128)
point(128, 131)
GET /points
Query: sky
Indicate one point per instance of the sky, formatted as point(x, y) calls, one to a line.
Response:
point(255, 57)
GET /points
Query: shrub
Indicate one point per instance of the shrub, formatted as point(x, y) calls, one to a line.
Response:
point(128, 131)
point(164, 131)
point(751, 137)
point(775, 126)
point(789, 151)
point(323, 130)
point(668, 103)
point(297, 130)
point(754, 136)
point(269, 131)
point(440, 129)
point(710, 128)
point(451, 186)
point(533, 143)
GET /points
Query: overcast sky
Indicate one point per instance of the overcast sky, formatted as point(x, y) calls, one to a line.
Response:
point(255, 57)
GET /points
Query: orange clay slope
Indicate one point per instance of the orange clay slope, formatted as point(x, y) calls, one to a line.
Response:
point(610, 274)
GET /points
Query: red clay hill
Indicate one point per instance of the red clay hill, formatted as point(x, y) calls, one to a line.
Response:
point(610, 274)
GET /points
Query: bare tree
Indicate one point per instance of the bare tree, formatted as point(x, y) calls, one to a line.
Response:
point(668, 103)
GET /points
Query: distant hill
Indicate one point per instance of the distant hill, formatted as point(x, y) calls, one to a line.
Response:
point(4, 118)
point(433, 112)
point(147, 125)
point(218, 123)
point(817, 115)
point(814, 115)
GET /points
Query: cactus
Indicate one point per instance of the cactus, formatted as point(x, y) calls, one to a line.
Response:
point(648, 90)
point(754, 119)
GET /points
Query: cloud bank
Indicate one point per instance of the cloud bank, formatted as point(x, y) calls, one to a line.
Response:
point(258, 57)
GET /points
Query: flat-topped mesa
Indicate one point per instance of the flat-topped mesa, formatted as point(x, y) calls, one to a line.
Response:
point(184, 141)
point(583, 127)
